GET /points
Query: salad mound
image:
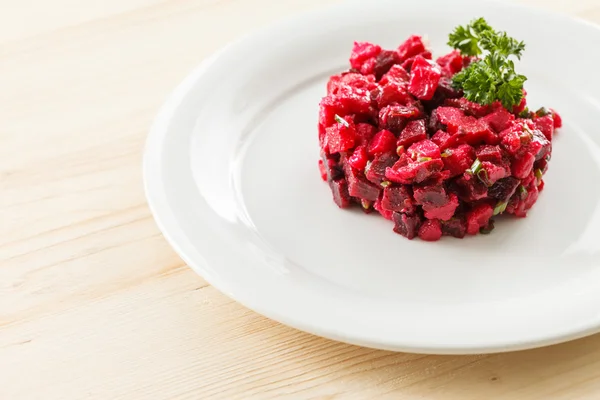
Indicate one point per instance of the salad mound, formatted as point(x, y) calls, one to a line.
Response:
point(438, 147)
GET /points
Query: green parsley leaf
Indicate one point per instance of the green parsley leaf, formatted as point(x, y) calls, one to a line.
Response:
point(491, 77)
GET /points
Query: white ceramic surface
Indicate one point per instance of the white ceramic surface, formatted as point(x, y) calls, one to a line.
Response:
point(231, 177)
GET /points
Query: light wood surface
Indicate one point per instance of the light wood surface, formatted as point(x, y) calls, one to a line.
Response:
point(95, 305)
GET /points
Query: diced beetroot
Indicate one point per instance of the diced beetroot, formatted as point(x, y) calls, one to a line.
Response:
point(424, 78)
point(396, 74)
point(444, 212)
point(395, 117)
point(368, 68)
point(444, 140)
point(470, 188)
point(387, 214)
point(478, 217)
point(413, 132)
point(384, 141)
point(540, 146)
point(359, 158)
point(444, 91)
point(384, 61)
point(475, 131)
point(351, 79)
point(456, 226)
point(446, 118)
point(451, 63)
point(331, 167)
point(499, 120)
point(489, 153)
point(469, 107)
point(503, 189)
point(340, 137)
point(430, 230)
point(376, 170)
point(397, 198)
point(557, 119)
point(339, 190)
point(431, 196)
point(361, 52)
point(406, 225)
point(359, 186)
point(458, 159)
point(513, 138)
point(408, 63)
point(424, 149)
point(322, 170)
point(411, 47)
point(414, 172)
point(523, 165)
point(364, 133)
point(391, 93)
point(353, 100)
point(437, 178)
point(546, 125)
point(490, 173)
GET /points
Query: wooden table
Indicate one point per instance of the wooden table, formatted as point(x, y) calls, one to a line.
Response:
point(95, 304)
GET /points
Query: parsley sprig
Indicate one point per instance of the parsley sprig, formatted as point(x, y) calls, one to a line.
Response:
point(492, 75)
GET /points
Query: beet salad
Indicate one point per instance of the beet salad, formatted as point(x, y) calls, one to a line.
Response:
point(438, 147)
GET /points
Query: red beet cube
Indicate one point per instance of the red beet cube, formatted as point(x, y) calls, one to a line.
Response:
point(364, 133)
point(478, 217)
point(414, 172)
point(358, 160)
point(490, 173)
point(359, 186)
point(406, 225)
point(339, 190)
point(362, 52)
point(546, 125)
point(424, 150)
point(431, 196)
point(376, 170)
point(387, 214)
point(469, 107)
point(476, 131)
point(384, 141)
point(395, 117)
point(397, 198)
point(557, 119)
point(391, 93)
point(384, 61)
point(340, 136)
point(396, 74)
point(408, 64)
point(444, 140)
point(446, 118)
point(470, 188)
point(489, 153)
point(451, 63)
point(458, 159)
point(456, 226)
point(411, 47)
point(443, 212)
point(322, 170)
point(499, 120)
point(430, 230)
point(504, 188)
point(522, 165)
point(413, 132)
point(424, 78)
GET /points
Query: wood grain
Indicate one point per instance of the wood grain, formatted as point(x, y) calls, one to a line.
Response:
point(94, 303)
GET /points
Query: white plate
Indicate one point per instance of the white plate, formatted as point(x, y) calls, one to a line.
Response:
point(231, 177)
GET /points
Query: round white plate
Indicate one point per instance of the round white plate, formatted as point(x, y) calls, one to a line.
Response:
point(231, 176)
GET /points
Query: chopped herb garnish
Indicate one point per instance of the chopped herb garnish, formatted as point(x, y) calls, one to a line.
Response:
point(493, 76)
point(400, 150)
point(483, 177)
point(366, 204)
point(367, 167)
point(538, 173)
point(341, 120)
point(500, 207)
point(385, 184)
point(446, 153)
point(475, 167)
point(548, 157)
point(523, 192)
point(422, 159)
point(525, 113)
